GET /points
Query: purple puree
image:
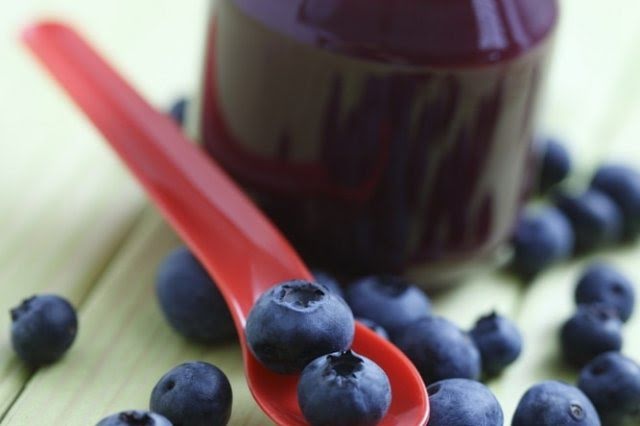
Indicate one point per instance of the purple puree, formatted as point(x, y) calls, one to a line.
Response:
point(380, 135)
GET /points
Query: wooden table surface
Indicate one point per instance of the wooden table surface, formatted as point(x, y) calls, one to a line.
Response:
point(73, 222)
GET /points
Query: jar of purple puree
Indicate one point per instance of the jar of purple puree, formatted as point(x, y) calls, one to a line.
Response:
point(380, 136)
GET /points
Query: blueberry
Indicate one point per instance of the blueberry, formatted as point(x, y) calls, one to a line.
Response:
point(556, 165)
point(190, 300)
point(374, 326)
point(343, 389)
point(612, 383)
point(596, 220)
point(439, 350)
point(498, 341)
point(541, 239)
point(593, 329)
point(328, 281)
point(193, 394)
point(178, 110)
point(135, 418)
point(43, 328)
point(602, 283)
point(389, 301)
point(295, 322)
point(622, 184)
point(554, 403)
point(463, 402)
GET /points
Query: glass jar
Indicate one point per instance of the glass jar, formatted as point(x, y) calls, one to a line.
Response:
point(380, 136)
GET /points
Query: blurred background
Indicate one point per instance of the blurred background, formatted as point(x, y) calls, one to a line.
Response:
point(73, 222)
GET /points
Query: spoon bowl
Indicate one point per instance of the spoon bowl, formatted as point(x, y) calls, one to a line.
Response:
point(236, 243)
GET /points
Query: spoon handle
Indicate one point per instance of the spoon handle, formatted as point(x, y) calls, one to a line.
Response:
point(239, 247)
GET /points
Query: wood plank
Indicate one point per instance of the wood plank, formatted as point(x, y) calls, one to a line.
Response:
point(593, 99)
point(546, 305)
point(65, 201)
point(124, 346)
point(64, 209)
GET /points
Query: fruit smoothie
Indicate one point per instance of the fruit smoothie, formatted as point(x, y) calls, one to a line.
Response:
point(380, 136)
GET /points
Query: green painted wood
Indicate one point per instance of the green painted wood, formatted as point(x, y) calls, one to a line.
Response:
point(61, 226)
point(545, 307)
point(66, 203)
point(592, 99)
point(124, 346)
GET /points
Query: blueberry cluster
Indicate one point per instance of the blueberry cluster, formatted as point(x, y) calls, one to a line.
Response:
point(608, 389)
point(393, 306)
point(297, 326)
point(295, 321)
point(605, 299)
point(308, 327)
point(607, 212)
point(196, 393)
point(193, 393)
point(190, 394)
point(608, 393)
point(446, 356)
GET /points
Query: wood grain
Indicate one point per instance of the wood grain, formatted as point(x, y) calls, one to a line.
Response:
point(71, 221)
point(66, 204)
point(124, 346)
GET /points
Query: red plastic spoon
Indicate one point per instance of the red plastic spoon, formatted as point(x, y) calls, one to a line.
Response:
point(239, 247)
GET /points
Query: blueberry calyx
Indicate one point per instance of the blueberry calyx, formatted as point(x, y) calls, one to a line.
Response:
point(301, 297)
point(602, 312)
point(22, 309)
point(617, 289)
point(576, 411)
point(136, 418)
point(434, 389)
point(488, 322)
point(598, 369)
point(344, 365)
